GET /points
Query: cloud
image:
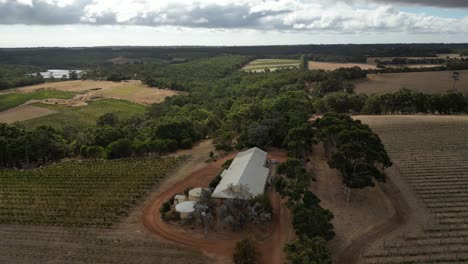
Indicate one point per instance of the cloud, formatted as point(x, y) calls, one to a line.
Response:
point(438, 3)
point(311, 16)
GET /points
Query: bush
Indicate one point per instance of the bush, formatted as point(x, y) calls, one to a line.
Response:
point(307, 250)
point(215, 182)
point(165, 207)
point(245, 252)
point(119, 149)
point(170, 216)
point(227, 163)
point(186, 143)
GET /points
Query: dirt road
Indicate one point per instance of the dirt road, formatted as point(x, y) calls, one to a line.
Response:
point(371, 214)
point(352, 253)
point(220, 244)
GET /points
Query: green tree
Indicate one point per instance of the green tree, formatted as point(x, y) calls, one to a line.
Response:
point(121, 148)
point(307, 250)
point(245, 252)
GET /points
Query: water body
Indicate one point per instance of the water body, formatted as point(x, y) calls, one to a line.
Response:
point(55, 73)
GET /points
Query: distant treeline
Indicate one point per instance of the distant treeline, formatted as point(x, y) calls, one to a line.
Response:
point(403, 101)
point(16, 76)
point(90, 57)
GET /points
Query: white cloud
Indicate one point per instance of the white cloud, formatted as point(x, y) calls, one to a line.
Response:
point(311, 16)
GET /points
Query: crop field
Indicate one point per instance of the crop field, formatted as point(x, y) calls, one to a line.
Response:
point(24, 112)
point(33, 244)
point(427, 82)
point(11, 100)
point(331, 66)
point(431, 153)
point(72, 193)
point(272, 64)
point(83, 117)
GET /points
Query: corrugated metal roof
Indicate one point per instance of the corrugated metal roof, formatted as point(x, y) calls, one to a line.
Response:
point(247, 170)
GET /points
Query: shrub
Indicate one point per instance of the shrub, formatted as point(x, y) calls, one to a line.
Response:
point(165, 207)
point(307, 250)
point(245, 252)
point(186, 143)
point(215, 182)
point(119, 149)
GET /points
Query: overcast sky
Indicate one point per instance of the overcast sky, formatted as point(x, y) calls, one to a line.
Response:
point(26, 23)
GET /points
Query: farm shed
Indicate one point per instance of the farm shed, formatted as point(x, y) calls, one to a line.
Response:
point(185, 208)
point(248, 169)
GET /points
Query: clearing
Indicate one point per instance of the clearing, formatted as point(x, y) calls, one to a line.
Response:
point(331, 66)
point(24, 112)
point(219, 244)
point(11, 100)
point(272, 64)
point(20, 102)
point(431, 156)
point(83, 117)
point(368, 210)
point(133, 91)
point(426, 82)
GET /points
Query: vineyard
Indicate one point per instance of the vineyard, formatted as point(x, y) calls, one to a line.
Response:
point(431, 153)
point(74, 193)
point(29, 244)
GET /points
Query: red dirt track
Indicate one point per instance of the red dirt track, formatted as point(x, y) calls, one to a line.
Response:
point(221, 244)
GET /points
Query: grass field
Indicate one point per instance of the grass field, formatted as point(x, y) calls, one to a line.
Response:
point(83, 117)
point(12, 100)
point(431, 153)
point(272, 64)
point(427, 82)
point(89, 193)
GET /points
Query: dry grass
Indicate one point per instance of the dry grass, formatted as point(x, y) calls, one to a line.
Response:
point(330, 66)
point(24, 112)
point(133, 91)
point(272, 64)
point(370, 65)
point(427, 82)
point(137, 93)
point(72, 86)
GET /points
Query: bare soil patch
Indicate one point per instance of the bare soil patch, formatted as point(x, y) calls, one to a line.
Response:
point(427, 82)
point(24, 112)
point(369, 208)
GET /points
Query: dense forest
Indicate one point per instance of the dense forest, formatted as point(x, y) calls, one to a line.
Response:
point(89, 57)
point(236, 108)
point(16, 76)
